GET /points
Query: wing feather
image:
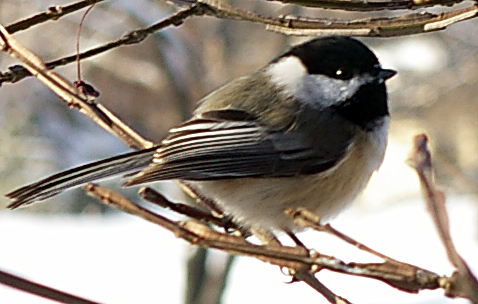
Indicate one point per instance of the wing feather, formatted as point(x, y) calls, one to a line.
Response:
point(213, 147)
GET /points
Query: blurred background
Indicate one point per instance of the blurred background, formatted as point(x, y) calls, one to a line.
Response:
point(76, 244)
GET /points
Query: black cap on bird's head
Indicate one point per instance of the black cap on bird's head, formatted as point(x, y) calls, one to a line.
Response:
point(339, 57)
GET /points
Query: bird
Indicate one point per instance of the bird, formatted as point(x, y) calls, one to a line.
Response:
point(307, 130)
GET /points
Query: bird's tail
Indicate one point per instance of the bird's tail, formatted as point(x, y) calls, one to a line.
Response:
point(74, 177)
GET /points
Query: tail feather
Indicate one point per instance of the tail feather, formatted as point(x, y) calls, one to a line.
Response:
point(74, 177)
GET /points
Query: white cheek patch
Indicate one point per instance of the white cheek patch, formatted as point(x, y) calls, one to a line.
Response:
point(288, 73)
point(319, 90)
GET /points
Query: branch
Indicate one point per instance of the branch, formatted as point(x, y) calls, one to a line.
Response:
point(373, 27)
point(462, 282)
point(289, 25)
point(16, 73)
point(402, 276)
point(40, 290)
point(53, 13)
point(158, 199)
point(309, 278)
point(403, 25)
point(304, 218)
point(66, 91)
point(391, 271)
point(366, 6)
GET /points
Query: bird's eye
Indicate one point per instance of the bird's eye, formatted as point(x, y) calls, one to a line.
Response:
point(343, 74)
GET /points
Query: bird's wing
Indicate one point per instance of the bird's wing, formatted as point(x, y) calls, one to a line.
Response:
point(233, 144)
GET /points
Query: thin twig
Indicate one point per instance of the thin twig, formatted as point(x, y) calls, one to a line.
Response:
point(462, 283)
point(16, 73)
point(69, 93)
point(402, 25)
point(158, 199)
point(367, 6)
point(313, 282)
point(40, 290)
point(53, 13)
point(78, 36)
point(304, 218)
point(201, 200)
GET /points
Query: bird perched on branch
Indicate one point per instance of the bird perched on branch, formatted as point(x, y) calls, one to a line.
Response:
point(307, 130)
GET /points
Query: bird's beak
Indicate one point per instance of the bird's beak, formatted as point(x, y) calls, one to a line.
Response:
point(384, 74)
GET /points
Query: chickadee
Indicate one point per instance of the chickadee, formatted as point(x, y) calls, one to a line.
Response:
point(307, 130)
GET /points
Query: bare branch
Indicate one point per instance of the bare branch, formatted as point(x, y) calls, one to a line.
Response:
point(309, 278)
point(16, 73)
point(304, 218)
point(374, 27)
point(462, 283)
point(290, 25)
point(40, 290)
point(403, 276)
point(158, 199)
point(53, 13)
point(66, 91)
point(393, 271)
point(366, 6)
point(383, 27)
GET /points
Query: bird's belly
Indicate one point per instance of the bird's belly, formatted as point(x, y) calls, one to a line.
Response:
point(261, 201)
